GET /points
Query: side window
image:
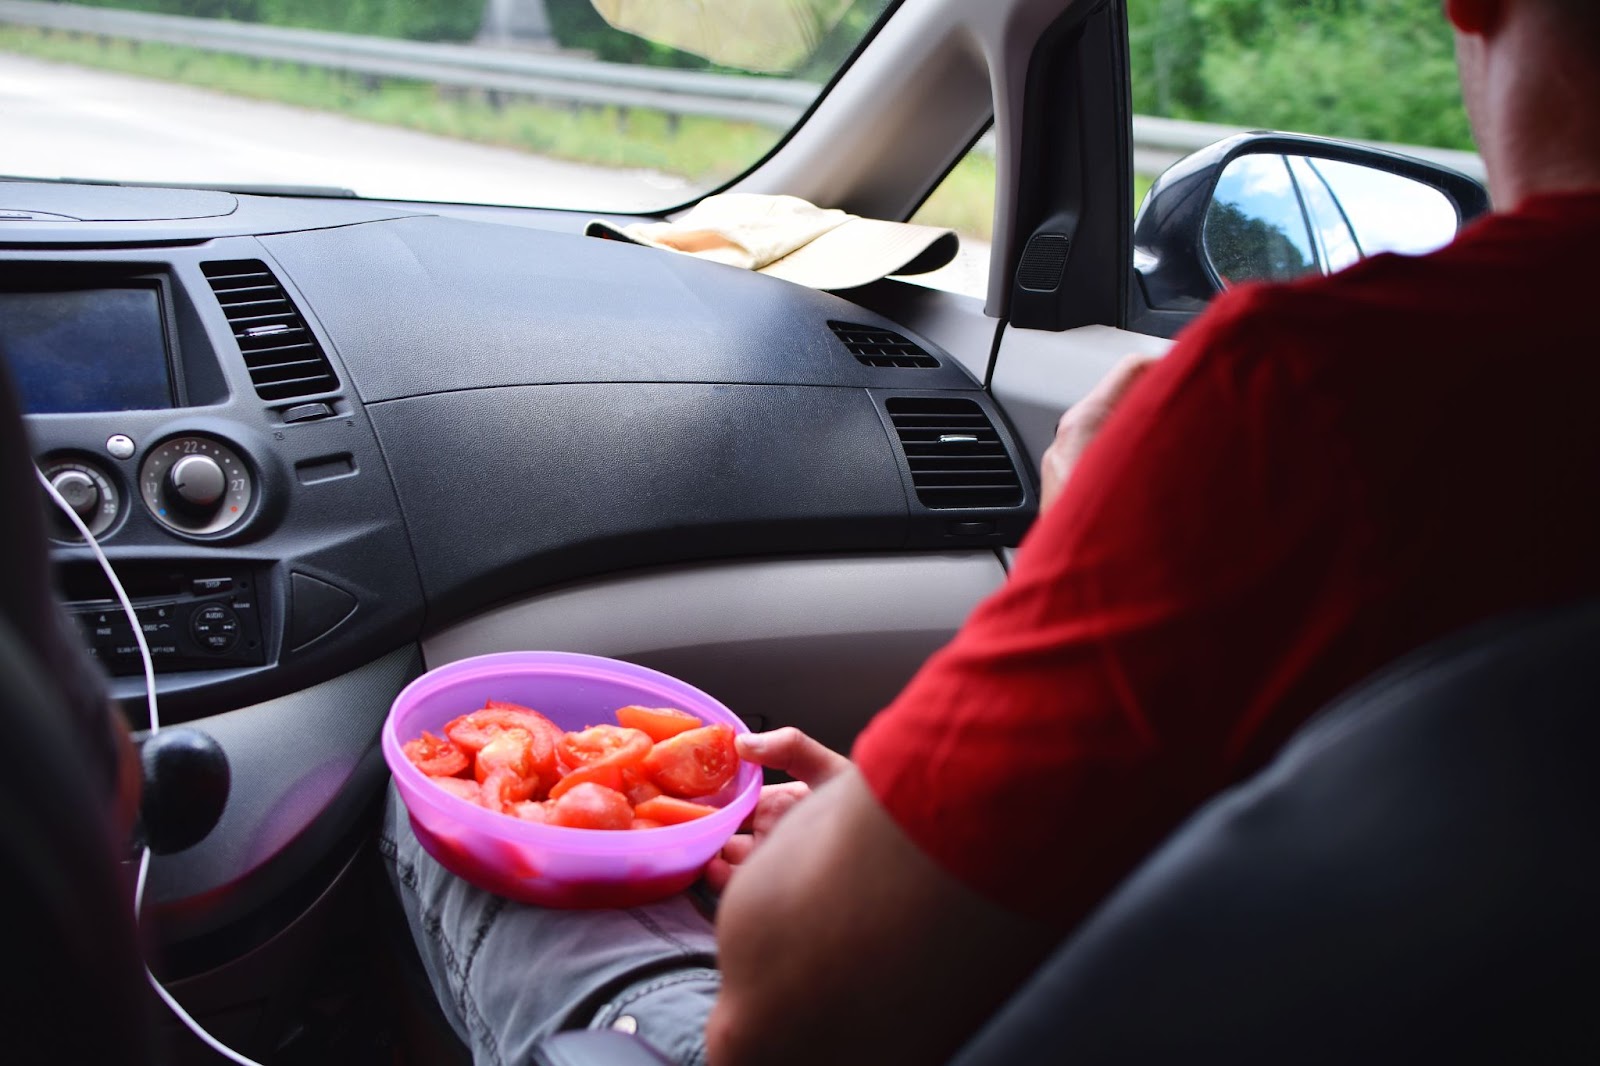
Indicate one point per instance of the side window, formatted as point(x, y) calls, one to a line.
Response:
point(1256, 227)
point(964, 202)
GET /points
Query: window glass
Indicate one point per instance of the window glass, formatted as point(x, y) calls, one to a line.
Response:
point(964, 202)
point(603, 105)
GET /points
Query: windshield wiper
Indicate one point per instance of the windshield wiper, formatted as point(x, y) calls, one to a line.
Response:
point(329, 192)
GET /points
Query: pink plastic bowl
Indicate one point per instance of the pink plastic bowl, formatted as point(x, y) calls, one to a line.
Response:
point(551, 865)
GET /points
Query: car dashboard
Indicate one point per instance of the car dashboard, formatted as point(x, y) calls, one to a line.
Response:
point(389, 436)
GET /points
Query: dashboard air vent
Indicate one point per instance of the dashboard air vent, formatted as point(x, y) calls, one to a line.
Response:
point(282, 354)
point(881, 347)
point(957, 458)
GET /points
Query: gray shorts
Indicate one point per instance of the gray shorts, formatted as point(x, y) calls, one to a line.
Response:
point(507, 975)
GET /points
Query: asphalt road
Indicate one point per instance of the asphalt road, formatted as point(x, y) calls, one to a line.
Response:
point(59, 121)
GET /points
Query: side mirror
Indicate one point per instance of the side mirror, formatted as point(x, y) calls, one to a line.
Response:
point(1275, 206)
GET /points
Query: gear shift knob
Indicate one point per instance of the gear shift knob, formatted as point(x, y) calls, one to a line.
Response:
point(186, 781)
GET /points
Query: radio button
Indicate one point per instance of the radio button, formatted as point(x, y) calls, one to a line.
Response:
point(215, 628)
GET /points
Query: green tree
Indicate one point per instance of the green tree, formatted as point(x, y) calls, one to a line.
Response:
point(1371, 69)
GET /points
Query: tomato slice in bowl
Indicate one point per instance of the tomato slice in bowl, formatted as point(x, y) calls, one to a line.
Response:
point(658, 723)
point(461, 789)
point(592, 806)
point(605, 745)
point(608, 776)
point(670, 810)
point(436, 756)
point(472, 732)
point(695, 763)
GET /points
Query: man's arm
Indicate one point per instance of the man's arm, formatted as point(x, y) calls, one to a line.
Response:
point(844, 942)
point(840, 942)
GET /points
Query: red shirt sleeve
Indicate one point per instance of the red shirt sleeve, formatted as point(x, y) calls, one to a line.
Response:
point(1116, 679)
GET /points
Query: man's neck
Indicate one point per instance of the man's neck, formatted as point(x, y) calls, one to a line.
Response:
point(1542, 135)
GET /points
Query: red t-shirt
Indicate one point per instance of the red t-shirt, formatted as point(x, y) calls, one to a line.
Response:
point(1318, 478)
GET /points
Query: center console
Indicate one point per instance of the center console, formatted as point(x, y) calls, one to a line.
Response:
point(185, 404)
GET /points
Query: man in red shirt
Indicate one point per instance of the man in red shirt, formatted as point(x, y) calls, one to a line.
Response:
point(1317, 479)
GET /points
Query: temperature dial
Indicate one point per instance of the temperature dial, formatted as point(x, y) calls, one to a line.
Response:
point(196, 485)
point(88, 492)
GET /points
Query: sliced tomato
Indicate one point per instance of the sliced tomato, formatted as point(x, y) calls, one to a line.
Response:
point(435, 756)
point(509, 749)
point(644, 823)
point(608, 776)
point(695, 763)
point(528, 713)
point(460, 788)
point(471, 732)
point(503, 789)
point(637, 786)
point(658, 723)
point(592, 806)
point(670, 810)
point(605, 745)
point(532, 811)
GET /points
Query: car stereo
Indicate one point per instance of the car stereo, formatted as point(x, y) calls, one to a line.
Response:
point(203, 618)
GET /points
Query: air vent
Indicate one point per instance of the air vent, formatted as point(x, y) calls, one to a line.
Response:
point(957, 459)
point(284, 358)
point(881, 347)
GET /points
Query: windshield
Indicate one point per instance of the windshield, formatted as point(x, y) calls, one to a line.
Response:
point(550, 103)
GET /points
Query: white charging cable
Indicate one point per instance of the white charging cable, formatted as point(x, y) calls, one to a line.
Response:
point(155, 727)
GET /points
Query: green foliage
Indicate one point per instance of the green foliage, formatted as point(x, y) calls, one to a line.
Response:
point(1371, 69)
point(421, 20)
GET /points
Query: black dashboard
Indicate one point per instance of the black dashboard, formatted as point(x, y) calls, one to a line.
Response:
point(384, 419)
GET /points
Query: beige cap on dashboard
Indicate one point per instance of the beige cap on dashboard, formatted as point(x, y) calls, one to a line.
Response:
point(789, 238)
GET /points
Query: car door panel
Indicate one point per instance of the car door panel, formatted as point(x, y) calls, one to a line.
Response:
point(818, 642)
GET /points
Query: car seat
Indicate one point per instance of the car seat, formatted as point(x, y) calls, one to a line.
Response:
point(72, 988)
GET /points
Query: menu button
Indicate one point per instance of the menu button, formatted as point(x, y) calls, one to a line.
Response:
point(215, 628)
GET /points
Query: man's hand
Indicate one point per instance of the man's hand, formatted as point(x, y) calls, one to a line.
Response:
point(792, 752)
point(1082, 422)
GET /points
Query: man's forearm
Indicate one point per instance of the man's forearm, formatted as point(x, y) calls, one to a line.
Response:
point(841, 942)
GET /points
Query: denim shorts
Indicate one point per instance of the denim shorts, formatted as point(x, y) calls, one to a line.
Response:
point(508, 975)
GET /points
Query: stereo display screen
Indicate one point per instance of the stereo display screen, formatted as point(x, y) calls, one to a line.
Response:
point(87, 349)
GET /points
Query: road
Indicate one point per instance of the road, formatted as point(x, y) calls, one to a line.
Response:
point(58, 120)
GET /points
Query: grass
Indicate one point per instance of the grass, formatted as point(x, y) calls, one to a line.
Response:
point(705, 151)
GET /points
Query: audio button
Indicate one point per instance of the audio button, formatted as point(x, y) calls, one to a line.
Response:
point(215, 628)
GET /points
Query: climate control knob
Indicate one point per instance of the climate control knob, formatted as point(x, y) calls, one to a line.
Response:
point(79, 490)
point(87, 490)
point(196, 483)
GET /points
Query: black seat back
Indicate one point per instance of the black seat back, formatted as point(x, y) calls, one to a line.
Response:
point(71, 986)
point(1411, 880)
